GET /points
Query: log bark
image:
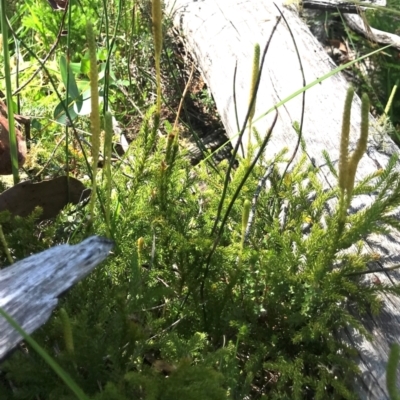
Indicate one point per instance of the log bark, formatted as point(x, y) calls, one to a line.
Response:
point(29, 289)
point(221, 36)
point(356, 24)
point(335, 5)
point(354, 21)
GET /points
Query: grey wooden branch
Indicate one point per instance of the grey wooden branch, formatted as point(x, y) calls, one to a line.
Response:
point(354, 21)
point(335, 5)
point(221, 35)
point(29, 288)
point(356, 24)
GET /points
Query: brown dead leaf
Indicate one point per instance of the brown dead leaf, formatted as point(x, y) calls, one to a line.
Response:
point(50, 195)
point(338, 44)
point(5, 159)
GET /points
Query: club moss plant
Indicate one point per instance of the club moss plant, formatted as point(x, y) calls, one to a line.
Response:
point(190, 306)
point(276, 311)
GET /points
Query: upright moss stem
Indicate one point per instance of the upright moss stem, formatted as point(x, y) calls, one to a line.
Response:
point(391, 372)
point(158, 39)
point(107, 166)
point(344, 140)
point(67, 328)
point(348, 163)
point(253, 87)
point(5, 246)
point(95, 111)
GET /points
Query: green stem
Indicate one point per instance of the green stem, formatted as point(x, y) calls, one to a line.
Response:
point(95, 112)
point(390, 101)
point(7, 75)
point(107, 167)
point(391, 372)
point(5, 246)
point(42, 353)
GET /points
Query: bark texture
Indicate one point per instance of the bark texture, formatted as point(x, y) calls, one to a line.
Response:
point(29, 289)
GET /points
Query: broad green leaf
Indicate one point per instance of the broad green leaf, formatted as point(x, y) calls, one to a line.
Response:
point(86, 105)
point(66, 72)
point(85, 66)
point(75, 67)
point(59, 112)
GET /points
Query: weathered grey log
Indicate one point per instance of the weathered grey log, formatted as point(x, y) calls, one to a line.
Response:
point(354, 21)
point(29, 289)
point(335, 5)
point(356, 24)
point(212, 142)
point(221, 34)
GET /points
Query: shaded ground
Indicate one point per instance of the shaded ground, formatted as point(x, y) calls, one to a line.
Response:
point(200, 128)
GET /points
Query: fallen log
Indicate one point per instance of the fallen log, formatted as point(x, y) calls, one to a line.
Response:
point(222, 37)
point(339, 5)
point(29, 289)
point(350, 13)
point(356, 23)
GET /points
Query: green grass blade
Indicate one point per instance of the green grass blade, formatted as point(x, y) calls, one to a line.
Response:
point(49, 360)
point(7, 77)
